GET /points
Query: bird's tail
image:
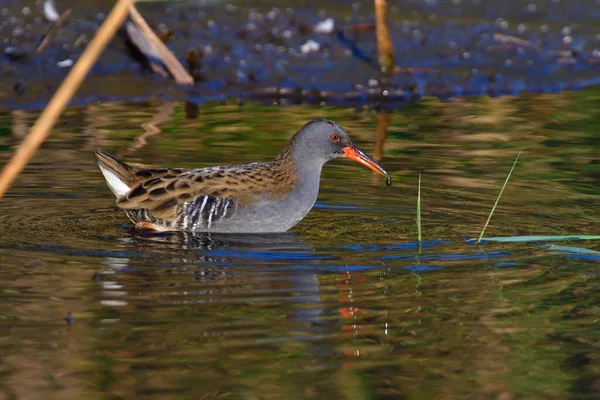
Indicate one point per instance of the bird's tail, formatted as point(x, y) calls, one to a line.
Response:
point(119, 176)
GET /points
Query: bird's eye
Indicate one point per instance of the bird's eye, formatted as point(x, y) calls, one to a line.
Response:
point(334, 137)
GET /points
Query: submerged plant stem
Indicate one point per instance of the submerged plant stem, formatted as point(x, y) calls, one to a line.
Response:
point(498, 198)
point(53, 29)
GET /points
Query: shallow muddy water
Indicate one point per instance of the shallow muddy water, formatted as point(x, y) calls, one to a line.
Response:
point(345, 305)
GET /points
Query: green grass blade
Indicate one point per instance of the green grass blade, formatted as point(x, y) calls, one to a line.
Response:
point(572, 249)
point(526, 239)
point(419, 212)
point(498, 199)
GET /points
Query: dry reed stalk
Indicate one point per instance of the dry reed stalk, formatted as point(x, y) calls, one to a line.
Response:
point(63, 95)
point(59, 22)
point(180, 74)
point(385, 49)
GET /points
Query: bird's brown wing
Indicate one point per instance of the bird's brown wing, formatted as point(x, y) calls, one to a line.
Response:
point(132, 176)
point(212, 192)
point(199, 196)
point(163, 194)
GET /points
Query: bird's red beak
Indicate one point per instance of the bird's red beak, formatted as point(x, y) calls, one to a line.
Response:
point(355, 154)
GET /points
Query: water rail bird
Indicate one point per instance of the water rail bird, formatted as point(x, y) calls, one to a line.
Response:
point(243, 198)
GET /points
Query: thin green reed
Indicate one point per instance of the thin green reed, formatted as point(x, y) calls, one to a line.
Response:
point(498, 199)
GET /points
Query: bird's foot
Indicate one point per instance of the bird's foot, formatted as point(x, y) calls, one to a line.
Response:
point(148, 226)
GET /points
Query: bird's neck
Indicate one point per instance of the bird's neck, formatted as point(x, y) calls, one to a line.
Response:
point(286, 158)
point(305, 168)
point(306, 175)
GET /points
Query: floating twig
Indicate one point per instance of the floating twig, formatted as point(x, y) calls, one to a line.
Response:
point(500, 37)
point(143, 51)
point(507, 40)
point(171, 62)
point(59, 22)
point(63, 95)
point(498, 199)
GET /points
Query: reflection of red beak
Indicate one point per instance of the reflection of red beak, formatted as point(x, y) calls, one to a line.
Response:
point(355, 154)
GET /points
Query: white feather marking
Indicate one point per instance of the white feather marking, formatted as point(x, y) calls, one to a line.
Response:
point(211, 212)
point(186, 216)
point(225, 209)
point(202, 208)
point(203, 203)
point(118, 187)
point(195, 220)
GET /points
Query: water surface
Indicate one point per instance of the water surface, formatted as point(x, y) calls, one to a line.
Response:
point(345, 305)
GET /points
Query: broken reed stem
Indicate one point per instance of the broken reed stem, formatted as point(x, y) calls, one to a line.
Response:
point(63, 95)
point(59, 22)
point(419, 212)
point(180, 74)
point(498, 199)
point(385, 49)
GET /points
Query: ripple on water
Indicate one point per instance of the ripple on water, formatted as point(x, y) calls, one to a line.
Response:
point(346, 301)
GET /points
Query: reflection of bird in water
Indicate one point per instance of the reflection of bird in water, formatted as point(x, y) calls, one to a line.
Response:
point(211, 247)
point(212, 252)
point(207, 270)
